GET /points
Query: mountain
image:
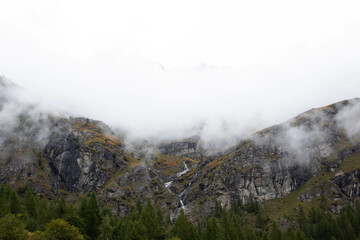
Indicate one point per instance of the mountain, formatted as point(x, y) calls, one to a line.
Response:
point(317, 152)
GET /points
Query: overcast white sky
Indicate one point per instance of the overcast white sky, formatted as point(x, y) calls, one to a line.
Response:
point(159, 65)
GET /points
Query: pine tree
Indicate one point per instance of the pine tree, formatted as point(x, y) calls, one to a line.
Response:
point(251, 205)
point(106, 230)
point(90, 213)
point(149, 218)
point(323, 203)
point(61, 208)
point(121, 227)
point(3, 202)
point(218, 209)
point(300, 235)
point(32, 213)
point(301, 219)
point(251, 234)
point(138, 207)
point(183, 228)
point(275, 232)
point(43, 216)
point(289, 234)
point(137, 231)
point(31, 204)
point(211, 229)
point(349, 233)
point(264, 236)
point(260, 221)
point(15, 204)
point(357, 217)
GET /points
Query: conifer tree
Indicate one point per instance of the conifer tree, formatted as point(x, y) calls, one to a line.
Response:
point(31, 204)
point(137, 231)
point(349, 233)
point(32, 213)
point(211, 229)
point(150, 220)
point(183, 228)
point(61, 208)
point(43, 216)
point(264, 236)
point(275, 232)
point(300, 235)
point(250, 234)
point(121, 227)
point(15, 204)
point(106, 230)
point(301, 219)
point(260, 221)
point(218, 209)
point(3, 202)
point(90, 213)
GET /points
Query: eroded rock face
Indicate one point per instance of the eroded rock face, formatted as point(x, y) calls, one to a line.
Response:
point(78, 166)
point(186, 148)
point(72, 156)
point(84, 157)
point(274, 162)
point(139, 183)
point(349, 183)
point(249, 171)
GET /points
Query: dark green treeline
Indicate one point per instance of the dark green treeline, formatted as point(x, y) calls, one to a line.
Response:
point(31, 217)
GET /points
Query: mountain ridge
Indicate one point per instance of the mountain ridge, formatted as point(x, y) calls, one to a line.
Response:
point(70, 157)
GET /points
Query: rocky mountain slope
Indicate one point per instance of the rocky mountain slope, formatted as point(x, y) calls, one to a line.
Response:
point(316, 152)
point(319, 144)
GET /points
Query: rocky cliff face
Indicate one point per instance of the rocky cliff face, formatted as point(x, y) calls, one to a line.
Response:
point(82, 156)
point(68, 157)
point(274, 162)
point(189, 147)
point(316, 152)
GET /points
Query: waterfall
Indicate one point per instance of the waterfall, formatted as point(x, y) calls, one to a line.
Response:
point(180, 196)
point(186, 169)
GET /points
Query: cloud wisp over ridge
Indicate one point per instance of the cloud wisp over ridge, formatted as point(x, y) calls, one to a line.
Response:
point(158, 69)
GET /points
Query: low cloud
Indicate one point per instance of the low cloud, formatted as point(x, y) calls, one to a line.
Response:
point(348, 118)
point(21, 116)
point(156, 74)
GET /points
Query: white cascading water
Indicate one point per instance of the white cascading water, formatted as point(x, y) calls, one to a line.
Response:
point(167, 184)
